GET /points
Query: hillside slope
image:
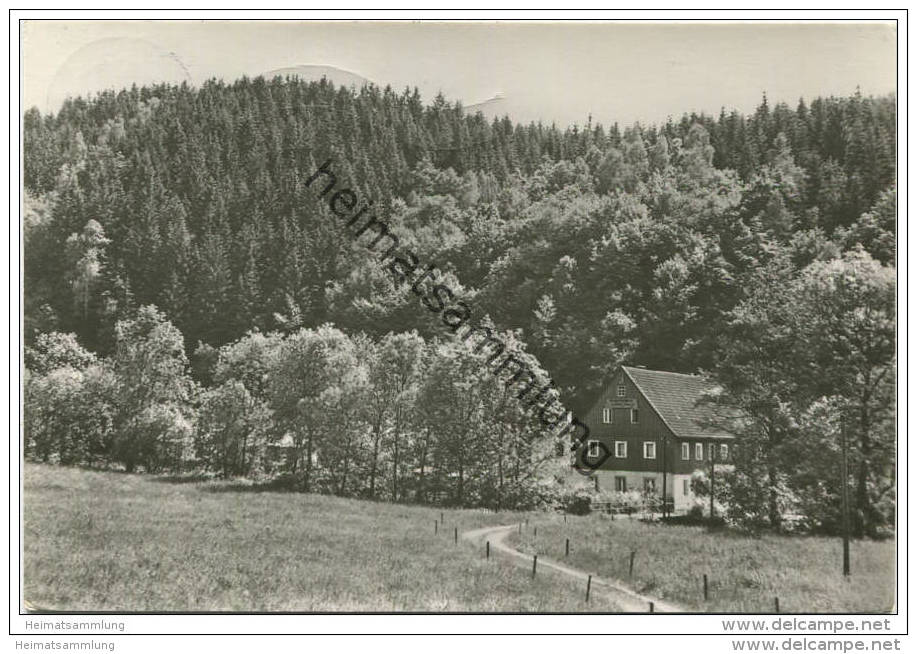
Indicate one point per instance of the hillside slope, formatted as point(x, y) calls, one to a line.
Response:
point(96, 541)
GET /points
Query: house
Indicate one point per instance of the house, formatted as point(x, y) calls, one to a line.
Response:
point(653, 432)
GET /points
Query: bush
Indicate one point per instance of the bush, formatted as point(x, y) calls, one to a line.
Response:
point(526, 495)
point(231, 430)
point(631, 501)
point(68, 415)
point(725, 486)
point(159, 438)
point(576, 501)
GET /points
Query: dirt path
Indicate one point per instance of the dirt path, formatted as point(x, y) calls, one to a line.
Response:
point(629, 601)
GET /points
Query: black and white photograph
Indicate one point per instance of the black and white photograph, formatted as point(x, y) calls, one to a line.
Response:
point(459, 317)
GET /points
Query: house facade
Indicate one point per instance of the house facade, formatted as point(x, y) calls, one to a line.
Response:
point(656, 433)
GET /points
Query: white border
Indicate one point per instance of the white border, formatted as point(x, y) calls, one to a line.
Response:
point(656, 625)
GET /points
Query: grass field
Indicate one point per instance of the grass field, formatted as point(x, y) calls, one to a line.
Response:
point(109, 541)
point(744, 573)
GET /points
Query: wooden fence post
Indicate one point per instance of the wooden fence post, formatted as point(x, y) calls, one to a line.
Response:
point(633, 553)
point(456, 535)
point(652, 608)
point(534, 565)
point(435, 527)
point(776, 605)
point(488, 550)
point(536, 532)
point(705, 588)
point(567, 548)
point(588, 588)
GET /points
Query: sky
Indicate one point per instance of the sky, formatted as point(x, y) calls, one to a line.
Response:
point(553, 72)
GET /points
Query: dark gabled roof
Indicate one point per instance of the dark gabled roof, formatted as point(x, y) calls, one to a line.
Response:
point(676, 398)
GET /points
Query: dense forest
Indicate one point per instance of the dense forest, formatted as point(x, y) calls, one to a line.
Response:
point(759, 249)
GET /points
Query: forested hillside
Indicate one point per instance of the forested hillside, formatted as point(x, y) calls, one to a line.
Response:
point(671, 246)
point(602, 245)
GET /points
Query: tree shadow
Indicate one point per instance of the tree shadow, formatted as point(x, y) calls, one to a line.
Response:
point(181, 479)
point(286, 484)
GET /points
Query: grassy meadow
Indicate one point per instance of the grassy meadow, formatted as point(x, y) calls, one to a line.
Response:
point(744, 573)
point(118, 542)
point(107, 541)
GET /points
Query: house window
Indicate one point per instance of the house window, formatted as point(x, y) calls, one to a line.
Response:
point(699, 451)
point(634, 416)
point(620, 449)
point(649, 450)
point(649, 485)
point(724, 452)
point(621, 390)
point(593, 450)
point(685, 451)
point(621, 484)
point(606, 416)
point(685, 487)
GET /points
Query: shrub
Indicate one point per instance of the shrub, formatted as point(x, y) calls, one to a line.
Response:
point(724, 488)
point(577, 501)
point(231, 428)
point(526, 495)
point(158, 438)
point(69, 415)
point(630, 501)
